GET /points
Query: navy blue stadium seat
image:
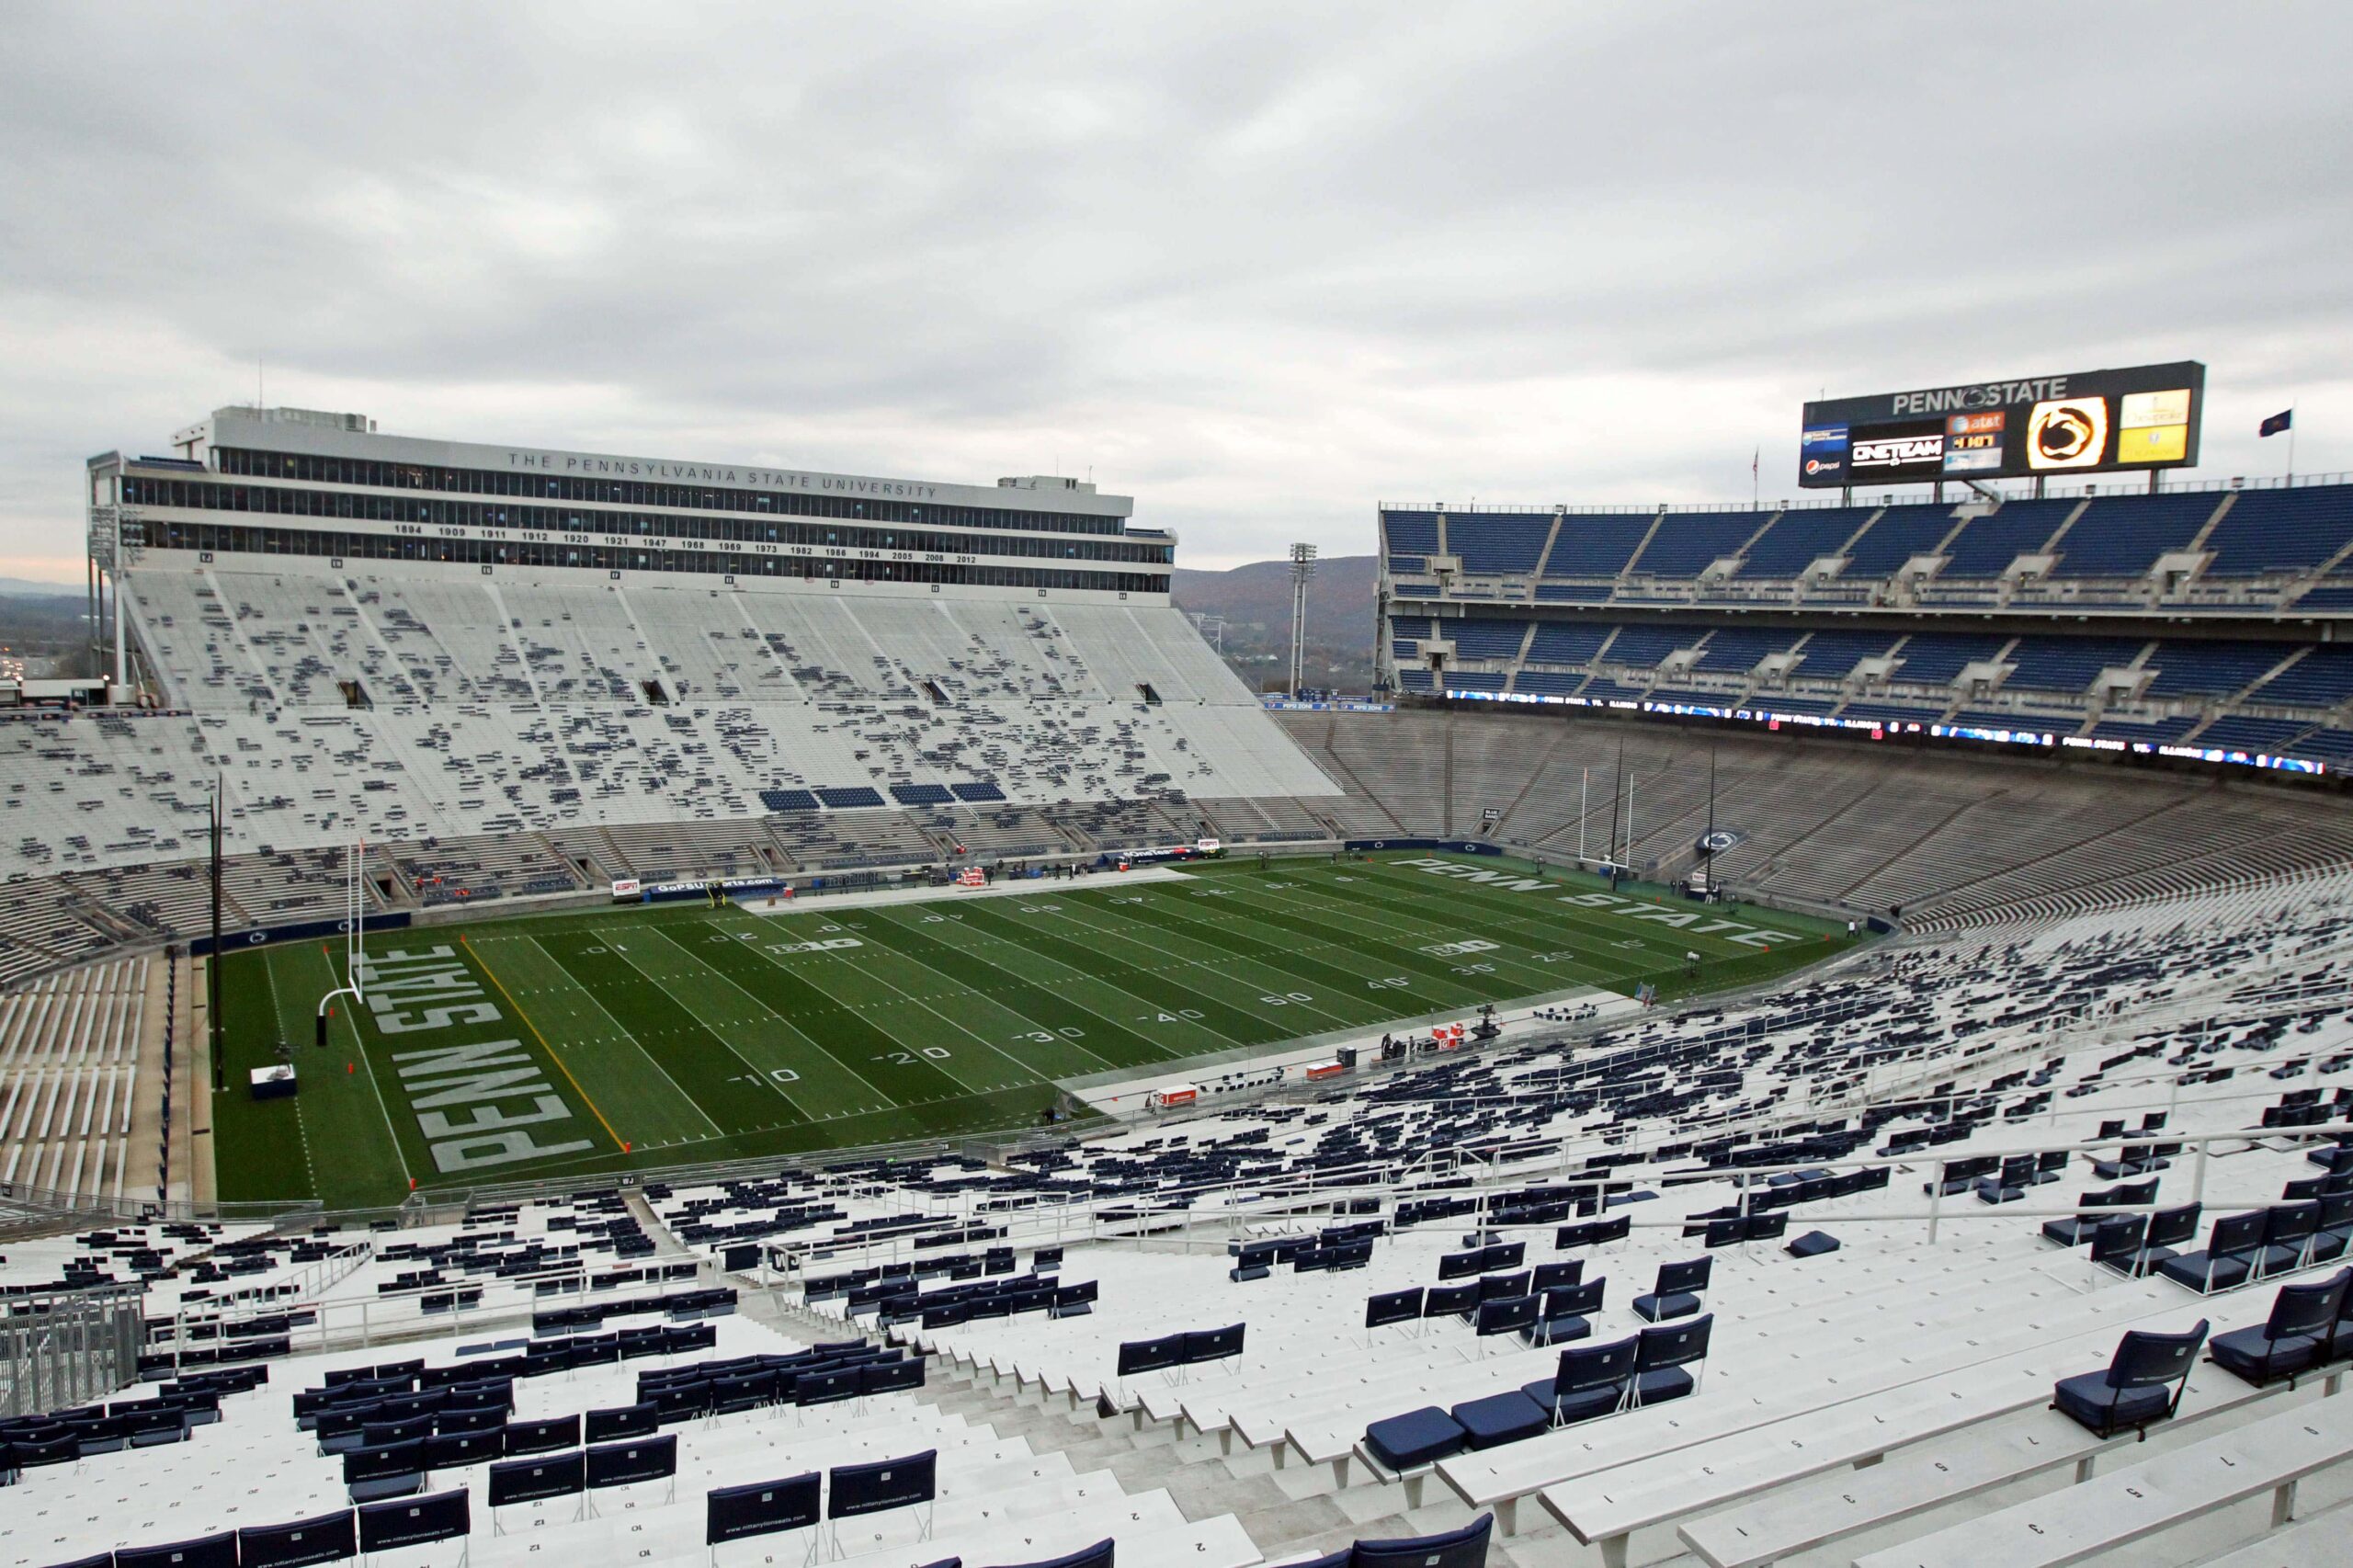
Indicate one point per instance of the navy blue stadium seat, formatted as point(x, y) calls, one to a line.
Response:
point(2292, 1339)
point(1590, 1381)
point(2232, 1244)
point(1464, 1547)
point(1661, 1355)
point(2141, 1385)
point(205, 1551)
point(1813, 1244)
point(1565, 1313)
point(1500, 1418)
point(1677, 1293)
point(763, 1507)
point(1417, 1437)
point(1507, 1314)
point(331, 1538)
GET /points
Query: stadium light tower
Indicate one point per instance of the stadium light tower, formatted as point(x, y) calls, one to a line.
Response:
point(1302, 567)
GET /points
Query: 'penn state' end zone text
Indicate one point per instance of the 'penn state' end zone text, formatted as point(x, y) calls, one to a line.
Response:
point(1693, 924)
point(455, 1091)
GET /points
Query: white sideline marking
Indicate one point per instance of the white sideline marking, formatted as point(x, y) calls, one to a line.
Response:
point(1025, 887)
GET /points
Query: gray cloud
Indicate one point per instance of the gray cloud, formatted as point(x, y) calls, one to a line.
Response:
point(1258, 268)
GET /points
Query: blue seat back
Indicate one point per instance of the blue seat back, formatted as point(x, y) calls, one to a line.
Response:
point(1556, 1274)
point(1465, 1548)
point(415, 1521)
point(2119, 1238)
point(332, 1538)
point(1213, 1343)
point(1596, 1366)
point(2143, 1360)
point(1496, 1287)
point(2307, 1309)
point(762, 1508)
point(1676, 1278)
point(2287, 1225)
point(855, 1489)
point(205, 1551)
point(1673, 1344)
point(1507, 1315)
point(1150, 1355)
point(2234, 1234)
point(2171, 1227)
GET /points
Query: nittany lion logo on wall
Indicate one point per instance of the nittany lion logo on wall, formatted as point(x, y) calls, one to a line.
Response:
point(1718, 841)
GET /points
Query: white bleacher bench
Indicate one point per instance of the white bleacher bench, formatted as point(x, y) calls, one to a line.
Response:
point(2315, 1542)
point(1499, 1478)
point(1788, 1515)
point(2083, 1523)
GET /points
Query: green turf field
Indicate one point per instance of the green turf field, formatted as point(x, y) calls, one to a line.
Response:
point(562, 1045)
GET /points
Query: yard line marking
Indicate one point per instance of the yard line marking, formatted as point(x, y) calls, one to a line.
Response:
point(491, 975)
point(1122, 927)
point(1395, 922)
point(874, 973)
point(629, 1035)
point(990, 992)
point(758, 1001)
point(771, 960)
point(1043, 957)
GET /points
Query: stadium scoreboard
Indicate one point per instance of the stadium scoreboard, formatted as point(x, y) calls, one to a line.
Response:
point(2130, 420)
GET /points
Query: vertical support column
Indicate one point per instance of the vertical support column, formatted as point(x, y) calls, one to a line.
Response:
point(121, 655)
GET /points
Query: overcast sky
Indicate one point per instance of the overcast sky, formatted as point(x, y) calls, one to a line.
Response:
point(1259, 267)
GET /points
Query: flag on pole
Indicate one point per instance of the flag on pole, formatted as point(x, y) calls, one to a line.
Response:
point(2283, 420)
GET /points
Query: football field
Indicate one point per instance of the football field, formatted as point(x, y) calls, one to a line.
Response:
point(564, 1045)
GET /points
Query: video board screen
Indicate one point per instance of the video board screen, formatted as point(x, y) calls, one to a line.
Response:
point(2088, 421)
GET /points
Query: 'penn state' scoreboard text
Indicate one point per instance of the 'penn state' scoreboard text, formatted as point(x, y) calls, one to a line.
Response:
point(2088, 421)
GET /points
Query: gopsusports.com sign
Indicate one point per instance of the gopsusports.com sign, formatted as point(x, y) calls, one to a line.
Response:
point(2131, 420)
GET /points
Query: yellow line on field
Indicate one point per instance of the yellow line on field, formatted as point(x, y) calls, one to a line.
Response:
point(491, 975)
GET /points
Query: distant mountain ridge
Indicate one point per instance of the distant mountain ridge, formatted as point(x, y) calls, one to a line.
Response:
point(1339, 598)
point(24, 588)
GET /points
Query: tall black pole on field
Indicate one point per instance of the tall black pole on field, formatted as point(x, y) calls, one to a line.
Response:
point(212, 964)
